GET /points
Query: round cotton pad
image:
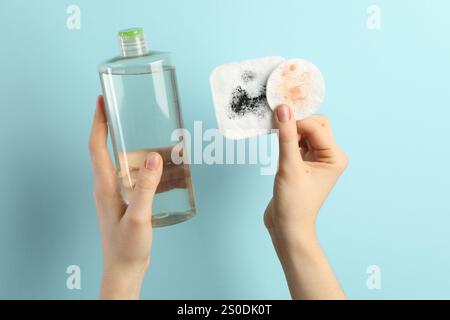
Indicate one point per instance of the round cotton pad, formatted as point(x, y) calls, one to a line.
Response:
point(297, 83)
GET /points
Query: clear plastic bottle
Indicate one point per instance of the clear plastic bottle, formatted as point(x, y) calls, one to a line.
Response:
point(142, 105)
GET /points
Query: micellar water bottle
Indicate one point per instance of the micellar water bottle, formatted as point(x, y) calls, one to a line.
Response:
point(142, 106)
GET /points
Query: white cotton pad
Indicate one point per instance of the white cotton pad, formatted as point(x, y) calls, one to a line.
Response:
point(239, 96)
point(297, 83)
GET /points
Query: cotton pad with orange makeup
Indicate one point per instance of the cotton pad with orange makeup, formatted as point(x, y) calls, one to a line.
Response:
point(297, 83)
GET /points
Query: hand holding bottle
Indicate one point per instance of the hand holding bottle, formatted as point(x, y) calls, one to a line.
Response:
point(310, 164)
point(126, 230)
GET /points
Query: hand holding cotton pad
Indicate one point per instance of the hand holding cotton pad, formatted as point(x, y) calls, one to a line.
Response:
point(245, 92)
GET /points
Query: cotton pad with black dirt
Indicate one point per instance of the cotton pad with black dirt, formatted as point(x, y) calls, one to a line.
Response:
point(239, 96)
point(241, 103)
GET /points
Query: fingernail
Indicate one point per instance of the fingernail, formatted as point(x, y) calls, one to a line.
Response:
point(283, 113)
point(151, 163)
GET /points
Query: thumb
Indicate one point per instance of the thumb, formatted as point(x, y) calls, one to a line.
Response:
point(148, 179)
point(288, 137)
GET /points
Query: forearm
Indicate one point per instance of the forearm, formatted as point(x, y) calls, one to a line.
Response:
point(117, 285)
point(308, 272)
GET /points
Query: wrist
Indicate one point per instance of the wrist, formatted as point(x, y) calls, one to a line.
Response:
point(292, 241)
point(293, 234)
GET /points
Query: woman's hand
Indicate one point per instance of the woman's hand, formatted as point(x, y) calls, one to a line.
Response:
point(309, 166)
point(126, 230)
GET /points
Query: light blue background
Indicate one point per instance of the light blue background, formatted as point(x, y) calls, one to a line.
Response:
point(387, 97)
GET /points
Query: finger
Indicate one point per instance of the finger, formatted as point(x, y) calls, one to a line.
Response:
point(104, 170)
point(317, 132)
point(288, 138)
point(323, 121)
point(98, 138)
point(140, 207)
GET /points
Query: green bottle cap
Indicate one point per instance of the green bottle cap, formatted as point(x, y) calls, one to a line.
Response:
point(131, 33)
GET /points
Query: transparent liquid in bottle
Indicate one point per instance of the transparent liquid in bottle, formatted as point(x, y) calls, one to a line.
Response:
point(141, 97)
